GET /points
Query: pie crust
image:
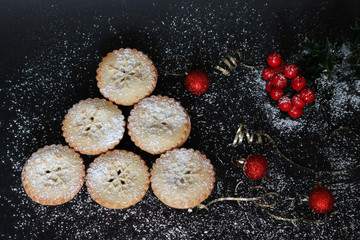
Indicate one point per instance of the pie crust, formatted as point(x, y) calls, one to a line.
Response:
point(93, 126)
point(158, 124)
point(53, 175)
point(182, 178)
point(126, 76)
point(117, 179)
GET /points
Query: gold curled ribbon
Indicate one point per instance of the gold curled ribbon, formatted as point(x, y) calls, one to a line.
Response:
point(232, 62)
point(172, 56)
point(305, 219)
point(286, 219)
point(343, 128)
point(241, 134)
point(266, 206)
point(244, 199)
point(238, 162)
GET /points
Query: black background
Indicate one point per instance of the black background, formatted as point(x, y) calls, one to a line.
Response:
point(49, 55)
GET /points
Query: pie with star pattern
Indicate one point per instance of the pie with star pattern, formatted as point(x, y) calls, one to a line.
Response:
point(93, 126)
point(126, 76)
point(53, 175)
point(158, 123)
point(117, 179)
point(182, 178)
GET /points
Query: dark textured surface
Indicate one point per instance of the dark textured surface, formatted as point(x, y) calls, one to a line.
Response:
point(49, 55)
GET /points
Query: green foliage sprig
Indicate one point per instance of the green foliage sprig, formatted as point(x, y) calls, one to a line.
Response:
point(324, 64)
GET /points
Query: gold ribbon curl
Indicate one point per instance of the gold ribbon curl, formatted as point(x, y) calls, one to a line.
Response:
point(171, 73)
point(242, 134)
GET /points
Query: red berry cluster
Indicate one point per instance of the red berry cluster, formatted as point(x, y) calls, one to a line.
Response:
point(277, 75)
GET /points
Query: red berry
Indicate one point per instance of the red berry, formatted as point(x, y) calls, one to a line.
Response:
point(321, 200)
point(268, 72)
point(290, 70)
point(298, 83)
point(274, 59)
point(284, 103)
point(276, 93)
point(295, 112)
point(279, 80)
point(297, 101)
point(197, 82)
point(307, 95)
point(268, 85)
point(280, 69)
point(256, 167)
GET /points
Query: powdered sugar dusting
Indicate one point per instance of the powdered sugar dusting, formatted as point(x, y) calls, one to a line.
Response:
point(126, 76)
point(118, 179)
point(54, 65)
point(182, 178)
point(92, 125)
point(54, 174)
point(159, 123)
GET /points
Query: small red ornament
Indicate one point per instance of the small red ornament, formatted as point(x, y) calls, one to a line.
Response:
point(274, 59)
point(290, 70)
point(279, 80)
point(295, 112)
point(256, 167)
point(197, 82)
point(284, 103)
point(298, 83)
point(321, 200)
point(307, 95)
point(276, 93)
point(297, 101)
point(268, 72)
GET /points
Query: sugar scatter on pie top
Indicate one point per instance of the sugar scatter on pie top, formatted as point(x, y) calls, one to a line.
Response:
point(158, 123)
point(126, 75)
point(93, 126)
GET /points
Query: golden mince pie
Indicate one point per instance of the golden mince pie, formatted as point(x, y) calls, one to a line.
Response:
point(93, 126)
point(182, 178)
point(158, 123)
point(117, 179)
point(126, 76)
point(53, 175)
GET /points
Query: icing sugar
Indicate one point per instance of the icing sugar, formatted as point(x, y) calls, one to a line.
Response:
point(93, 125)
point(58, 69)
point(159, 123)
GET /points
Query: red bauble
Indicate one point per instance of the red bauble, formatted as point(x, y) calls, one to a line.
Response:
point(284, 103)
point(295, 112)
point(256, 167)
point(197, 82)
point(279, 80)
point(274, 59)
point(268, 72)
point(276, 93)
point(321, 200)
point(290, 70)
point(298, 83)
point(297, 101)
point(307, 95)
